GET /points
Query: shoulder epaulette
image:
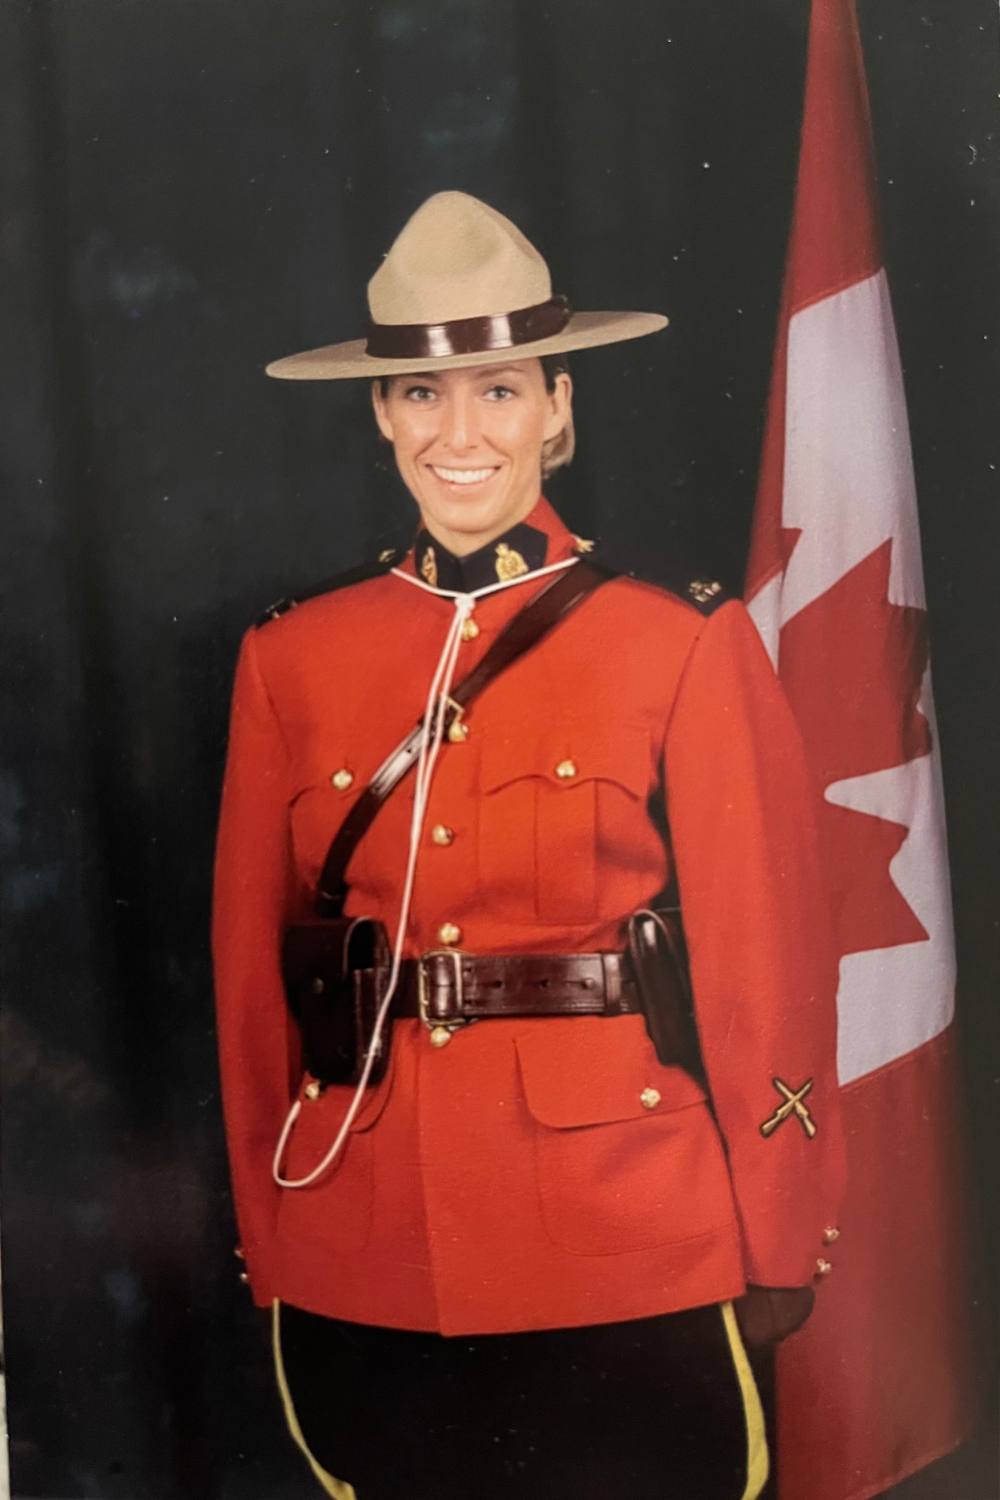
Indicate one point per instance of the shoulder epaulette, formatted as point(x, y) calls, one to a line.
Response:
point(374, 568)
point(675, 574)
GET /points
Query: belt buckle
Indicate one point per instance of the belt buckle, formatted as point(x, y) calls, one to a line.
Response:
point(440, 1026)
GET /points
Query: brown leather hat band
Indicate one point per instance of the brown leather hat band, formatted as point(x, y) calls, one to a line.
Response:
point(468, 335)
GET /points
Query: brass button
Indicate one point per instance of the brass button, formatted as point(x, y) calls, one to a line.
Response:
point(342, 779)
point(244, 1277)
point(440, 1036)
point(566, 770)
point(650, 1098)
point(313, 1089)
point(823, 1267)
point(442, 834)
point(469, 629)
point(458, 732)
point(830, 1234)
point(240, 1253)
point(317, 985)
point(449, 933)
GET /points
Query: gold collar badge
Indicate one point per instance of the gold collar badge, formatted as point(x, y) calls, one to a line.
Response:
point(792, 1105)
point(510, 564)
point(703, 590)
point(429, 567)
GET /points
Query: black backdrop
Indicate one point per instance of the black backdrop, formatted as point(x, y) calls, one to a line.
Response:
point(192, 187)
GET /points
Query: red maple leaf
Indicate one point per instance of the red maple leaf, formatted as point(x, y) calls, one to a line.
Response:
point(852, 664)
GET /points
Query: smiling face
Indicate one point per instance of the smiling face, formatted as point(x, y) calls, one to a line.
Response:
point(468, 444)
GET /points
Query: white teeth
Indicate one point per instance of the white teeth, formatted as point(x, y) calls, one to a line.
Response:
point(462, 476)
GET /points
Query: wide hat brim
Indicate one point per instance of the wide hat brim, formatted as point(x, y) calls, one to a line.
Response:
point(347, 361)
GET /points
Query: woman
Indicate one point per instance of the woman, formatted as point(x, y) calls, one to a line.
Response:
point(508, 1265)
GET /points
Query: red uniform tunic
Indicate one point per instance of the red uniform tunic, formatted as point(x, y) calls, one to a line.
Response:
point(525, 1176)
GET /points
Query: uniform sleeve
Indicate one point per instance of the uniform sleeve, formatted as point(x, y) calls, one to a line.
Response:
point(741, 810)
point(258, 1048)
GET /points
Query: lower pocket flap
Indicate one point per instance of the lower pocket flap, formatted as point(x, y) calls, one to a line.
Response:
point(591, 1070)
point(328, 1110)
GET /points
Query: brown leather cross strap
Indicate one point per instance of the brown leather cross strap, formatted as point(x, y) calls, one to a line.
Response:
point(550, 605)
point(446, 987)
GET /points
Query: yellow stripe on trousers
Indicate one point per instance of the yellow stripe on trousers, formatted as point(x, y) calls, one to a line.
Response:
point(757, 1456)
point(338, 1488)
point(758, 1463)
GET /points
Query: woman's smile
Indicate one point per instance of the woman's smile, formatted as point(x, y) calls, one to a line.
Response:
point(463, 478)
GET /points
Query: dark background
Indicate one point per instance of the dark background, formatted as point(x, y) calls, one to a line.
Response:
point(193, 187)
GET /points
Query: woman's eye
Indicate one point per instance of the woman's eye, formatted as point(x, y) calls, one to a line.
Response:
point(418, 393)
point(499, 392)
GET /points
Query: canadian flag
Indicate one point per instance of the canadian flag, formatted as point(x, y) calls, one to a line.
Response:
point(880, 1382)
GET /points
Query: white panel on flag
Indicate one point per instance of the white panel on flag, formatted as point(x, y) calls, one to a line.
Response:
point(848, 471)
point(892, 1000)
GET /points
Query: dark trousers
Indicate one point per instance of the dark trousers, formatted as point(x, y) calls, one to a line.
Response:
point(659, 1408)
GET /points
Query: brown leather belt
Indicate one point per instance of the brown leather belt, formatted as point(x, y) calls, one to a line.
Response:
point(446, 987)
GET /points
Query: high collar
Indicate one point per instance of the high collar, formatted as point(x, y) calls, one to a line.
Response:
point(539, 539)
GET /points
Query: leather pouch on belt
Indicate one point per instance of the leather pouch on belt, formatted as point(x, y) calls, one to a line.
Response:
point(658, 957)
point(334, 973)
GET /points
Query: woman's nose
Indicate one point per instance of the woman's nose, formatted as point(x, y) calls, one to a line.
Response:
point(461, 428)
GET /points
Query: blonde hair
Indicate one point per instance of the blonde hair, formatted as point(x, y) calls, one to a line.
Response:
point(557, 451)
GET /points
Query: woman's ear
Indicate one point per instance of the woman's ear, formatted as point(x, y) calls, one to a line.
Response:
point(381, 413)
point(560, 400)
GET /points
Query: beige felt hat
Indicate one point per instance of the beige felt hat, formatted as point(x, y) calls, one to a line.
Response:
point(461, 286)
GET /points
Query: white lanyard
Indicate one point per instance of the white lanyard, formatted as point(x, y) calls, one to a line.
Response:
point(431, 737)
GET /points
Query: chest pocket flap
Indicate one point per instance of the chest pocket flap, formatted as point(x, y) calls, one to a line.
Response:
point(570, 757)
point(562, 813)
point(325, 785)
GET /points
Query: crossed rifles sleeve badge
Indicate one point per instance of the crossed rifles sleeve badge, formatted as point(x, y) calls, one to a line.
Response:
point(792, 1105)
